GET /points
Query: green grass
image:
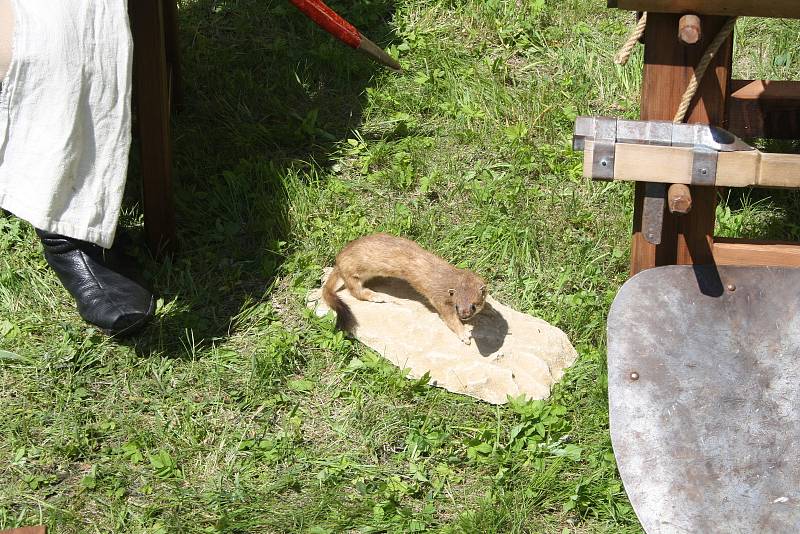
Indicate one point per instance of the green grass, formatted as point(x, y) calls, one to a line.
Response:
point(238, 410)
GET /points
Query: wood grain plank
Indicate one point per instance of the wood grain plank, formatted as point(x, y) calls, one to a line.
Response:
point(765, 108)
point(729, 251)
point(673, 165)
point(749, 8)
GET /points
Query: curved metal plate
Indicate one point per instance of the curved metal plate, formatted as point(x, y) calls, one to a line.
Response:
point(704, 393)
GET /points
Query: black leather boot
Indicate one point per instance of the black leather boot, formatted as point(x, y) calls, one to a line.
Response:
point(105, 297)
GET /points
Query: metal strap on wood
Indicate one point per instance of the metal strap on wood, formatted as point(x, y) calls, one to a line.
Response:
point(706, 142)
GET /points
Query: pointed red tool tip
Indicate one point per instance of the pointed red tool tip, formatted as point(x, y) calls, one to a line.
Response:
point(334, 24)
point(379, 54)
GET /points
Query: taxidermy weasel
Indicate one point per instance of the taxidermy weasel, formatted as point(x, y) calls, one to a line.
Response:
point(456, 294)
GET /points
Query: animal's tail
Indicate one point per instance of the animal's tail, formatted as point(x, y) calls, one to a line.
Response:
point(345, 320)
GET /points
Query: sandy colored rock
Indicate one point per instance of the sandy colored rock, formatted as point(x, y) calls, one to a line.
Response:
point(511, 353)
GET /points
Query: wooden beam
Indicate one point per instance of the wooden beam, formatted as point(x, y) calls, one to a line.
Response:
point(151, 91)
point(750, 8)
point(673, 165)
point(172, 49)
point(668, 67)
point(729, 251)
point(764, 108)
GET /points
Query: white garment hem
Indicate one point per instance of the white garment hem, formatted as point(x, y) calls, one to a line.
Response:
point(65, 117)
point(66, 228)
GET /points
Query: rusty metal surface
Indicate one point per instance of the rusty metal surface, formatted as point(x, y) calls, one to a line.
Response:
point(704, 393)
point(655, 195)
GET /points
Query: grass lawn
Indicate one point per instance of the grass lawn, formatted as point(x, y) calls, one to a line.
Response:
point(238, 410)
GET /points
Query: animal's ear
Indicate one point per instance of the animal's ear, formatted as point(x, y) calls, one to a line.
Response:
point(451, 291)
point(483, 290)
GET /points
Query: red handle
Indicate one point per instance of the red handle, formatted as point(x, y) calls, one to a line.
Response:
point(326, 18)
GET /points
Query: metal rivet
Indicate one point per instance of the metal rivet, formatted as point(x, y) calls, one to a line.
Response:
point(604, 163)
point(731, 287)
point(703, 171)
point(634, 376)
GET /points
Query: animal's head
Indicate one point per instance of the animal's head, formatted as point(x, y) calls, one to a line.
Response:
point(468, 296)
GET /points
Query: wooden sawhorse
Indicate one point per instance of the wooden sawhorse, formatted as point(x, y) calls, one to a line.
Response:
point(744, 107)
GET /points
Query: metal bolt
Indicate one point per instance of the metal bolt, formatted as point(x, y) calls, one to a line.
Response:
point(604, 163)
point(634, 376)
point(731, 287)
point(703, 171)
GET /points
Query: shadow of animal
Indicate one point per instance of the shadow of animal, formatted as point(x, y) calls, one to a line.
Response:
point(489, 327)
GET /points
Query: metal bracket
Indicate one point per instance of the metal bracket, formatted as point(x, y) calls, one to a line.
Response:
point(705, 141)
point(605, 139)
point(704, 166)
point(653, 211)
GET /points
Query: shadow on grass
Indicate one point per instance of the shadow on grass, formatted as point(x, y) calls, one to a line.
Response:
point(267, 94)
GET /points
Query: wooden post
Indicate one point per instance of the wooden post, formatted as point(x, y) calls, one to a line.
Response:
point(151, 89)
point(172, 47)
point(667, 69)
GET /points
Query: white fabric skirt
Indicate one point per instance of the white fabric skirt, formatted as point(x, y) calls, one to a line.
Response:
point(65, 117)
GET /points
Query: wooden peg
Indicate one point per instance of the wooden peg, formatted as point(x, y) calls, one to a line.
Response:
point(679, 199)
point(689, 29)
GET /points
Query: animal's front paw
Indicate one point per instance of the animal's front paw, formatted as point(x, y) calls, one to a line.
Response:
point(466, 333)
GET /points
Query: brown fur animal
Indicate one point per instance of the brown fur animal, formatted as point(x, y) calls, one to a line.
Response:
point(456, 294)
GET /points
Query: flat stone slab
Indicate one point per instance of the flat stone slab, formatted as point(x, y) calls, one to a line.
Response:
point(511, 353)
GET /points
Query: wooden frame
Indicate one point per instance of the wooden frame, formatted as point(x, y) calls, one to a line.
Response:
point(673, 165)
point(748, 8)
point(729, 251)
point(668, 64)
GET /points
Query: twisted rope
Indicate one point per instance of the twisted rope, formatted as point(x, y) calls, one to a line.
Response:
point(697, 76)
point(700, 70)
point(624, 53)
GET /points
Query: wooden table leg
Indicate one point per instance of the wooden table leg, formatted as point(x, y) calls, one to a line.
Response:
point(151, 80)
point(667, 69)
